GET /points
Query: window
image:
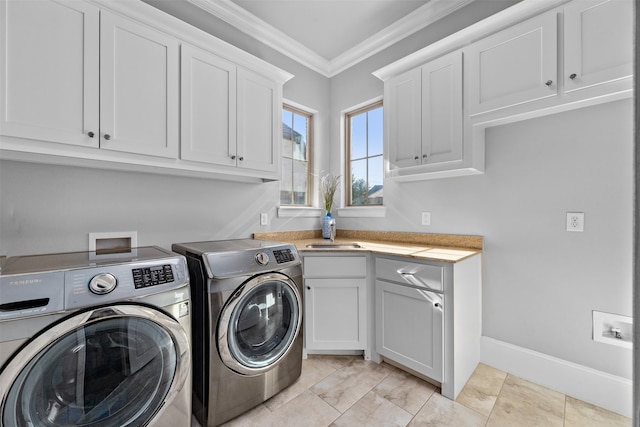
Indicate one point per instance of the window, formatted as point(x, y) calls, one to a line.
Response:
point(364, 151)
point(296, 182)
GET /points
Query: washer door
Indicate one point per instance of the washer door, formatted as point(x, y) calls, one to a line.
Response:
point(111, 366)
point(259, 323)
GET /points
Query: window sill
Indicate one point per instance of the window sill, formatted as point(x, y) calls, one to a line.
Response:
point(299, 212)
point(363, 212)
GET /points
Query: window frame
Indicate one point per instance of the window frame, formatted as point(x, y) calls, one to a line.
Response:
point(347, 182)
point(310, 150)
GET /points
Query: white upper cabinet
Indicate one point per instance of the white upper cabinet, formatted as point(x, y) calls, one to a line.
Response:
point(598, 42)
point(423, 118)
point(259, 122)
point(516, 65)
point(403, 120)
point(229, 114)
point(49, 61)
point(208, 100)
point(442, 110)
point(102, 84)
point(74, 74)
point(138, 88)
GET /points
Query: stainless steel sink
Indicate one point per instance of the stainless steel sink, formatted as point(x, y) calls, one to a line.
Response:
point(334, 246)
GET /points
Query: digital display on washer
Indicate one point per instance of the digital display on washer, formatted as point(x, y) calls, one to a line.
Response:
point(284, 255)
point(151, 276)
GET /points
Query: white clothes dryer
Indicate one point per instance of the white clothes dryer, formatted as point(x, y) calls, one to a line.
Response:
point(95, 340)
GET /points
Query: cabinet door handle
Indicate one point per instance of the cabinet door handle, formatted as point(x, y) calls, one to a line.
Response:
point(233, 157)
point(91, 134)
point(549, 82)
point(412, 279)
point(416, 158)
point(309, 287)
point(424, 156)
point(107, 136)
point(573, 76)
point(241, 158)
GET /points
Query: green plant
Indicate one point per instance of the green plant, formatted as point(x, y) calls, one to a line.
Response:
point(328, 187)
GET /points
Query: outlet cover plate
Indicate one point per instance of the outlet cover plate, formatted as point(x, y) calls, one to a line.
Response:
point(426, 218)
point(575, 221)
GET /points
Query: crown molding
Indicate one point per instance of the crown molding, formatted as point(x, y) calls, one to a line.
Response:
point(265, 33)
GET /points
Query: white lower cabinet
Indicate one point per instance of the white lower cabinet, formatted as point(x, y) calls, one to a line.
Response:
point(335, 316)
point(409, 329)
point(428, 317)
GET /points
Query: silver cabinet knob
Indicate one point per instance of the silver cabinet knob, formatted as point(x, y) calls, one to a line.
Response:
point(573, 76)
point(549, 82)
point(91, 134)
point(107, 136)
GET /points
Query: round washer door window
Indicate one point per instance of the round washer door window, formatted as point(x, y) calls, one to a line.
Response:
point(112, 366)
point(259, 323)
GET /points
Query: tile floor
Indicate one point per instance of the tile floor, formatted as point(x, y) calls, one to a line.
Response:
point(349, 391)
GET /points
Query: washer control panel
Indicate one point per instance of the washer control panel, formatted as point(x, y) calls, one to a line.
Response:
point(152, 276)
point(103, 284)
point(284, 255)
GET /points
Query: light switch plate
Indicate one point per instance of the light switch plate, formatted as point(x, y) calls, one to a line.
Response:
point(264, 218)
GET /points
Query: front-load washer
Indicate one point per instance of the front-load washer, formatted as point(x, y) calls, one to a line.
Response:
point(95, 340)
point(247, 316)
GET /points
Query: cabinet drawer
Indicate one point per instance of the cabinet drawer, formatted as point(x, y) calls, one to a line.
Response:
point(396, 271)
point(333, 266)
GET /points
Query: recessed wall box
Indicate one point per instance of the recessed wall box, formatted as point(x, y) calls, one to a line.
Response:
point(113, 242)
point(612, 329)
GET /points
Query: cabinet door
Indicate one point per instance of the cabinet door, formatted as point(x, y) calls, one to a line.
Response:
point(598, 42)
point(409, 329)
point(138, 88)
point(208, 108)
point(403, 121)
point(442, 109)
point(335, 314)
point(259, 122)
point(516, 65)
point(49, 71)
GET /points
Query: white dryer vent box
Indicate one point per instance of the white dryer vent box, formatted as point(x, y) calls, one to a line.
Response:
point(118, 242)
point(613, 329)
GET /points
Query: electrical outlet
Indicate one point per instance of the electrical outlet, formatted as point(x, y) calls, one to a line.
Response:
point(264, 218)
point(426, 218)
point(575, 221)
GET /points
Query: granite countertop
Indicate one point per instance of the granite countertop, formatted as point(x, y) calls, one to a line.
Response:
point(434, 247)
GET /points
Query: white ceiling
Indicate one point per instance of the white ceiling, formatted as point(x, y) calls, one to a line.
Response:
point(329, 36)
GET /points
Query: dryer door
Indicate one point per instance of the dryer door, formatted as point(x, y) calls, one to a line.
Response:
point(259, 323)
point(110, 366)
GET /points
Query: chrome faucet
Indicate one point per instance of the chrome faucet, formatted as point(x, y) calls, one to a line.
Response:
point(332, 230)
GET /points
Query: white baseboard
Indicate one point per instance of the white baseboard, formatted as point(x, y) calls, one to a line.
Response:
point(599, 388)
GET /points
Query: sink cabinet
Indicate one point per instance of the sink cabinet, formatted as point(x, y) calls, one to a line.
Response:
point(335, 302)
